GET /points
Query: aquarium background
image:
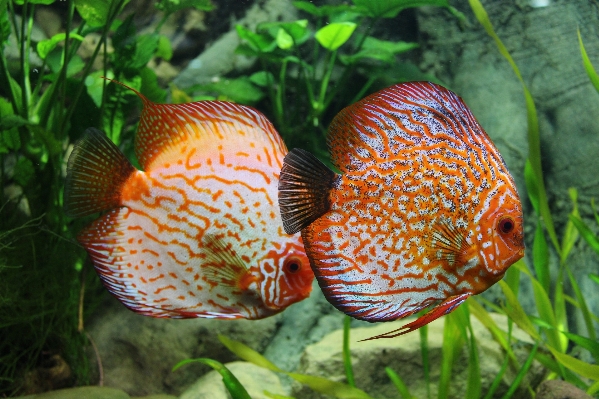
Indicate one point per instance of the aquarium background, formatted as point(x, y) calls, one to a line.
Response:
point(60, 328)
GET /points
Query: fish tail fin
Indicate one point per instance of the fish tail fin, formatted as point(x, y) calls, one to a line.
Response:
point(96, 172)
point(304, 186)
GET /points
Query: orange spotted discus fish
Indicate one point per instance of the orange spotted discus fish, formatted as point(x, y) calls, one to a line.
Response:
point(425, 213)
point(198, 232)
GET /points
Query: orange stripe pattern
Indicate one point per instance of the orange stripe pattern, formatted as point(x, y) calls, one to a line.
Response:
point(198, 232)
point(425, 209)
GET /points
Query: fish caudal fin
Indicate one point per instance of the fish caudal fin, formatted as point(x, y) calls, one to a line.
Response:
point(304, 186)
point(96, 171)
point(442, 309)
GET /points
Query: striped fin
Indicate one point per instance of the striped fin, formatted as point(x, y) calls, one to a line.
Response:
point(304, 186)
point(96, 172)
point(166, 125)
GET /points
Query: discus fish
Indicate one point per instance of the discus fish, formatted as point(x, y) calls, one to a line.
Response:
point(424, 215)
point(197, 233)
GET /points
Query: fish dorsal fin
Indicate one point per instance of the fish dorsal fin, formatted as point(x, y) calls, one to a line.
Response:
point(414, 115)
point(166, 125)
point(223, 266)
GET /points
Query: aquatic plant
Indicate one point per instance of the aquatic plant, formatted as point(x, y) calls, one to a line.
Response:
point(48, 95)
point(309, 74)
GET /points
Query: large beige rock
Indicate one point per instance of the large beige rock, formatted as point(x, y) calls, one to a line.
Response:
point(139, 352)
point(402, 354)
point(255, 380)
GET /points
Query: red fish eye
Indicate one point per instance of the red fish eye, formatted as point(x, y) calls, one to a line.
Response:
point(293, 265)
point(506, 225)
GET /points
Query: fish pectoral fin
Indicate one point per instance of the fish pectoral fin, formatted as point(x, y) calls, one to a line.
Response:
point(304, 186)
point(445, 307)
point(96, 173)
point(448, 243)
point(223, 266)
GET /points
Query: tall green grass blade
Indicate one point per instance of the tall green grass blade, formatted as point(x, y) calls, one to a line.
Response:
point(534, 142)
point(512, 278)
point(499, 377)
point(399, 384)
point(545, 310)
point(540, 257)
point(276, 396)
point(231, 382)
point(589, 344)
point(582, 304)
point(349, 372)
point(584, 369)
point(570, 235)
point(588, 66)
point(473, 388)
point(423, 331)
point(594, 277)
point(522, 372)
point(593, 389)
point(453, 342)
point(586, 233)
point(318, 384)
point(594, 210)
point(516, 313)
point(248, 354)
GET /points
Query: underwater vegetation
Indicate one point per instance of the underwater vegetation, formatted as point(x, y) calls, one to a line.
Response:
point(49, 95)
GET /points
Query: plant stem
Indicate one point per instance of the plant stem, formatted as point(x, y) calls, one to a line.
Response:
point(349, 373)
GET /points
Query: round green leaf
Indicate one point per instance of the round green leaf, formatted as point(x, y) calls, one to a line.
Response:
point(335, 35)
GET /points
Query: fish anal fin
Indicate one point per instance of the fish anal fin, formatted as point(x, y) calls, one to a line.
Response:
point(96, 173)
point(304, 186)
point(442, 309)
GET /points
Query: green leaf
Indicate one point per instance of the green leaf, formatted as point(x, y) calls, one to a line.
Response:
point(249, 355)
point(258, 42)
point(94, 85)
point(164, 49)
point(390, 8)
point(46, 46)
point(335, 35)
point(287, 34)
point(578, 366)
point(170, 6)
point(262, 78)
point(589, 344)
point(319, 384)
point(594, 277)
point(586, 233)
point(5, 29)
point(45, 2)
point(240, 90)
point(55, 61)
point(516, 313)
point(588, 66)
point(24, 172)
point(94, 12)
point(322, 11)
point(150, 87)
point(231, 382)
point(540, 257)
point(381, 50)
point(398, 383)
point(145, 47)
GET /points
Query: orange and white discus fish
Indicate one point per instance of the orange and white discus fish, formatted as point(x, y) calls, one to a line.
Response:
point(425, 213)
point(198, 232)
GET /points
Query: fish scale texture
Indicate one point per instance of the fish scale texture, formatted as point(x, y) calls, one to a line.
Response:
point(424, 213)
point(198, 232)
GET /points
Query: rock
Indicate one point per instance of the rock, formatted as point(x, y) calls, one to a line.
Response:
point(138, 352)
point(220, 57)
point(402, 354)
point(254, 379)
point(557, 389)
point(80, 393)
